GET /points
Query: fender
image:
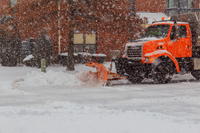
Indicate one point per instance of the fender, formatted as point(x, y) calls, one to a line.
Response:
point(158, 53)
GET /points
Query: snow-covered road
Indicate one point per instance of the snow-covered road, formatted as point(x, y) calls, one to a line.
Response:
point(56, 101)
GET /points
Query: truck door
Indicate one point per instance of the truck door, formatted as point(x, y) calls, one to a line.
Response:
point(181, 46)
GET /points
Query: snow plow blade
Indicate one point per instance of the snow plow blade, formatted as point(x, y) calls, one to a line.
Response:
point(103, 74)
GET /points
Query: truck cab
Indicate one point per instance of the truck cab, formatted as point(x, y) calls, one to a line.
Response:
point(166, 48)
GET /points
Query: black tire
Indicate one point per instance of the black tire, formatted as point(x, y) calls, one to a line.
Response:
point(135, 79)
point(119, 66)
point(120, 72)
point(196, 74)
point(162, 73)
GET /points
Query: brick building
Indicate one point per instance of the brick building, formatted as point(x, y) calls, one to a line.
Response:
point(102, 40)
point(81, 41)
point(170, 7)
point(150, 6)
point(3, 5)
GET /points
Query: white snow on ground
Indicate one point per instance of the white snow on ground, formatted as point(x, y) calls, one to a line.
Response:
point(68, 117)
point(59, 101)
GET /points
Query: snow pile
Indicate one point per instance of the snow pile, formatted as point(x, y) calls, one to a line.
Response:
point(60, 78)
point(29, 57)
point(7, 87)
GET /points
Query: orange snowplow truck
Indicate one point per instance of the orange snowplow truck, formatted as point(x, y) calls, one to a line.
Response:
point(168, 47)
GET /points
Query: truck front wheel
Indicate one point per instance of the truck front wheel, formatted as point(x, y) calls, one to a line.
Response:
point(162, 73)
point(119, 65)
point(196, 74)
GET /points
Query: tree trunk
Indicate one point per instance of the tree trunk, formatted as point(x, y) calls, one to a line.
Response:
point(70, 60)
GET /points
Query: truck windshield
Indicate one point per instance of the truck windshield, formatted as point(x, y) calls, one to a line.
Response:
point(159, 31)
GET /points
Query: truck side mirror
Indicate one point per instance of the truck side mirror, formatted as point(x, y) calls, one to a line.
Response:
point(177, 31)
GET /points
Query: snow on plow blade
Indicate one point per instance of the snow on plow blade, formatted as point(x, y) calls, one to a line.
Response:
point(103, 74)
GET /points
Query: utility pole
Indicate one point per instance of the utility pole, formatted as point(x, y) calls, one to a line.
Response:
point(70, 60)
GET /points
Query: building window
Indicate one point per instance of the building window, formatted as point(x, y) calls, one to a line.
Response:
point(175, 7)
point(83, 41)
point(78, 39)
point(172, 3)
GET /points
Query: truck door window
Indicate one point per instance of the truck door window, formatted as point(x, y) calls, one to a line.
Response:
point(173, 33)
point(159, 31)
point(183, 31)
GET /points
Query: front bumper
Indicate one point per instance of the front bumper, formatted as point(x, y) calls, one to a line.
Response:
point(133, 67)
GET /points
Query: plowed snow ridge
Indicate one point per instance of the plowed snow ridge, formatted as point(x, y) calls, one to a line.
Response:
point(53, 78)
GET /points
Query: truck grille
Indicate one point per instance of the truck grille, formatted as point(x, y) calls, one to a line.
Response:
point(134, 52)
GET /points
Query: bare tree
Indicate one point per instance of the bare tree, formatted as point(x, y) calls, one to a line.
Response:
point(113, 20)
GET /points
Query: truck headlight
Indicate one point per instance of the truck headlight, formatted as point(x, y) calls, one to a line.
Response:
point(149, 59)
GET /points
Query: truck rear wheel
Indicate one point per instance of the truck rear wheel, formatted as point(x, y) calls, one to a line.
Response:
point(196, 74)
point(162, 73)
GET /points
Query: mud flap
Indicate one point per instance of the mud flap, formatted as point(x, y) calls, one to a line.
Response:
point(196, 62)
